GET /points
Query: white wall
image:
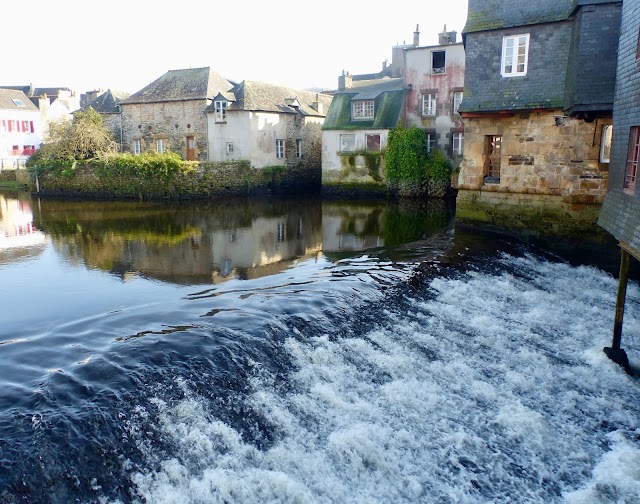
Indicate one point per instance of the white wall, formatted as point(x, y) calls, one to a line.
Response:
point(19, 138)
point(335, 166)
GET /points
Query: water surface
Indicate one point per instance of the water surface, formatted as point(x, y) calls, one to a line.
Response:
point(306, 351)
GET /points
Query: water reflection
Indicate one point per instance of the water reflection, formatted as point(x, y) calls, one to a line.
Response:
point(19, 237)
point(208, 243)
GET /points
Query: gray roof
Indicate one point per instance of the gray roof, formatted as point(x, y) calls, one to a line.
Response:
point(181, 85)
point(496, 14)
point(260, 96)
point(388, 95)
point(8, 95)
point(107, 102)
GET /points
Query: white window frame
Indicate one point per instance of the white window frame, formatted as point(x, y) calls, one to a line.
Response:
point(298, 148)
point(457, 143)
point(511, 54)
point(279, 148)
point(431, 141)
point(347, 146)
point(160, 145)
point(137, 146)
point(220, 108)
point(605, 143)
point(362, 109)
point(457, 100)
point(230, 148)
point(429, 104)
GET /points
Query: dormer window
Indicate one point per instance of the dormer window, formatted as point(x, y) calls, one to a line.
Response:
point(362, 109)
point(438, 62)
point(220, 107)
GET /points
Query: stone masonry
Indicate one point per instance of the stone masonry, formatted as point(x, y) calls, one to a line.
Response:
point(537, 156)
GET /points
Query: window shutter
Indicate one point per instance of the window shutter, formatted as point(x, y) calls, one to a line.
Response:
point(31, 125)
point(10, 129)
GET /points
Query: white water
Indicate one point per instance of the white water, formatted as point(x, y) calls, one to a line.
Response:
point(492, 387)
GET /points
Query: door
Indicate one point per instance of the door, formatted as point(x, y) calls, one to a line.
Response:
point(191, 148)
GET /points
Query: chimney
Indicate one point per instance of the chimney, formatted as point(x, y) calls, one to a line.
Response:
point(384, 65)
point(416, 36)
point(317, 105)
point(446, 38)
point(345, 81)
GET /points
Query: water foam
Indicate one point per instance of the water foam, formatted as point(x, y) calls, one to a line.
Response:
point(484, 387)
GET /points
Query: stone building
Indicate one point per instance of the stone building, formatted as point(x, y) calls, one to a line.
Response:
point(267, 125)
point(620, 214)
point(171, 113)
point(107, 104)
point(538, 97)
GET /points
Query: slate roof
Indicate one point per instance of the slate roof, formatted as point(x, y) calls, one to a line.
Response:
point(31, 91)
point(497, 14)
point(8, 95)
point(181, 85)
point(107, 102)
point(263, 97)
point(388, 95)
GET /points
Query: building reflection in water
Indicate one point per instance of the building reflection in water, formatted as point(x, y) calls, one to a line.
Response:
point(212, 243)
point(19, 237)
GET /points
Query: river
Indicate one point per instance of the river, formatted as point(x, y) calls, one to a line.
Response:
point(307, 351)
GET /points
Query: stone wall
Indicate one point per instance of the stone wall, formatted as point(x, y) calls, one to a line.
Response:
point(171, 121)
point(537, 156)
point(209, 180)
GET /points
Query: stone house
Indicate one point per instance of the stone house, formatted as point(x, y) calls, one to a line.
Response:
point(107, 104)
point(171, 113)
point(422, 87)
point(20, 128)
point(538, 97)
point(267, 125)
point(620, 213)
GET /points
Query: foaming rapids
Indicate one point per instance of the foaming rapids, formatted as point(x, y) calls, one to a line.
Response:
point(486, 384)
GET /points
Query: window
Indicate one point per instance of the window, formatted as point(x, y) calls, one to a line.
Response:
point(605, 143)
point(429, 104)
point(458, 144)
point(18, 102)
point(15, 150)
point(220, 110)
point(280, 148)
point(632, 160)
point(438, 62)
point(431, 141)
point(160, 145)
point(362, 109)
point(298, 148)
point(137, 146)
point(347, 143)
point(492, 153)
point(373, 143)
point(457, 100)
point(515, 55)
point(229, 147)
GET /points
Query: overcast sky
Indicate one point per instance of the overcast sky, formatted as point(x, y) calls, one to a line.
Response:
point(125, 44)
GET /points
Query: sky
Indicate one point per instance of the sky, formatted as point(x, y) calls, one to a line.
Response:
point(124, 45)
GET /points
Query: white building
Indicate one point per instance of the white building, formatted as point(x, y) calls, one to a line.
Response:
point(266, 124)
point(20, 128)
